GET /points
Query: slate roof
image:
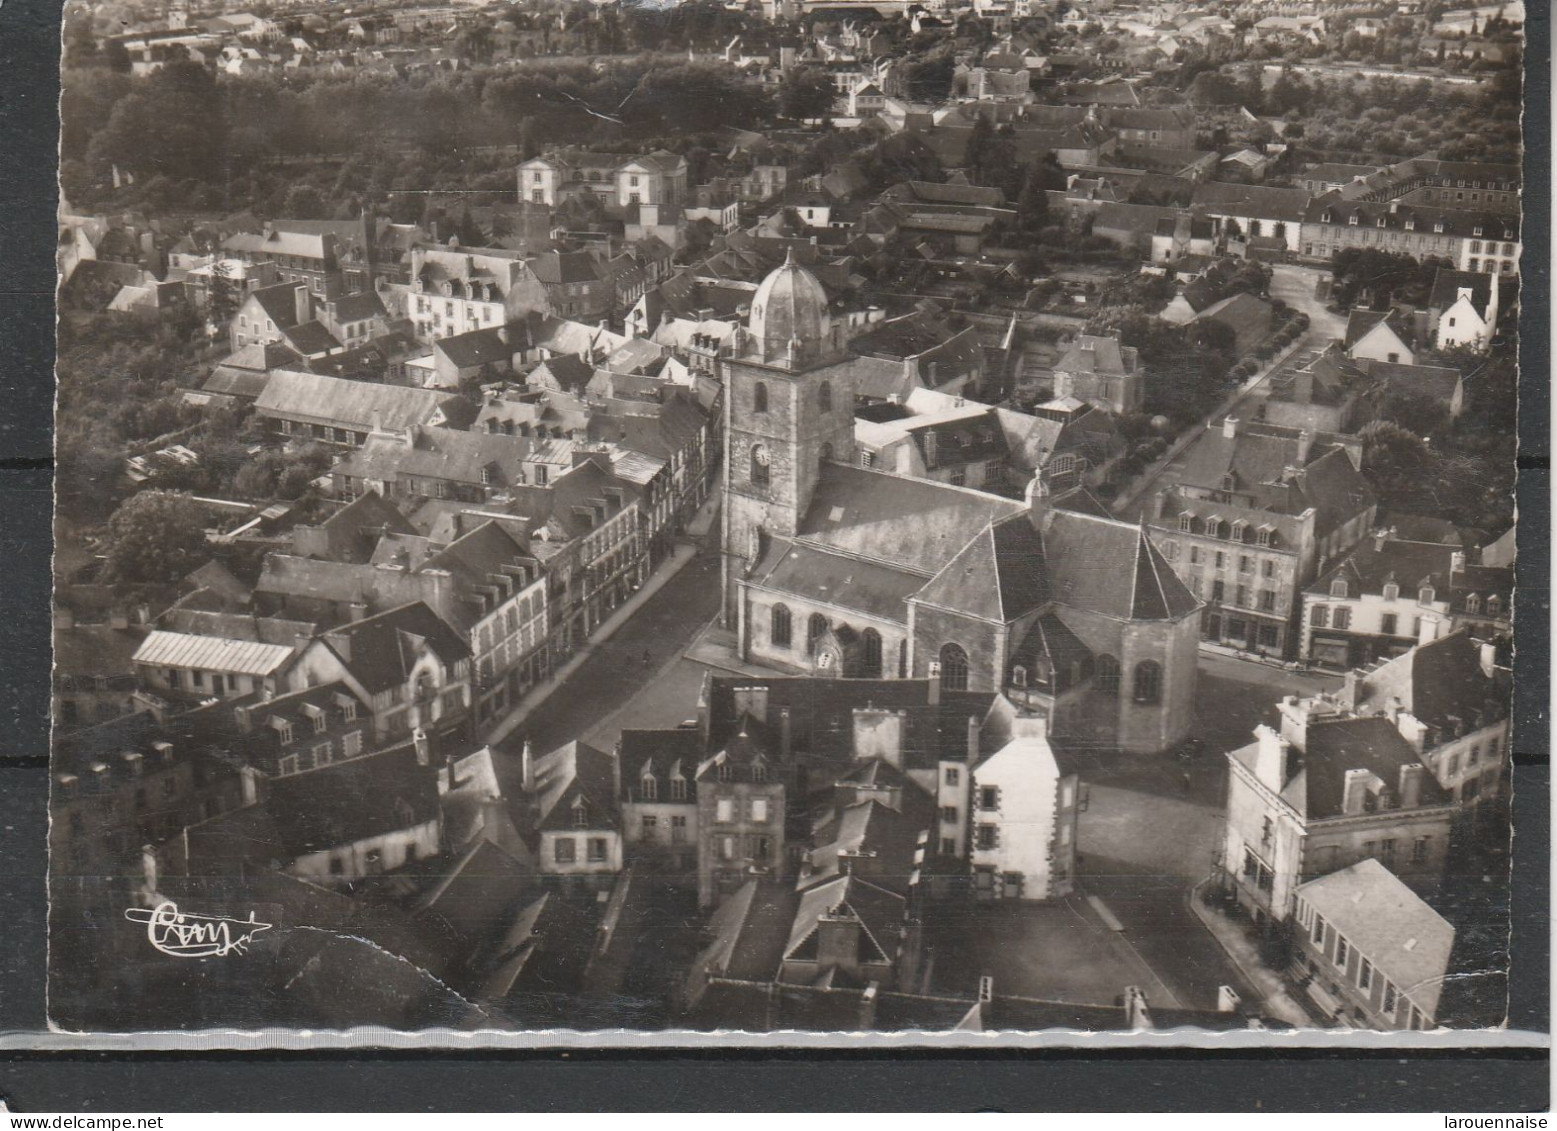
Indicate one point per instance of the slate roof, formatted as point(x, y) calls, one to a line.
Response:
point(658, 754)
point(309, 397)
point(1050, 640)
point(475, 348)
point(865, 827)
point(560, 267)
point(310, 338)
point(359, 307)
point(879, 911)
point(1010, 553)
point(1441, 683)
point(576, 774)
point(748, 932)
point(354, 530)
point(279, 302)
point(475, 458)
point(1406, 940)
point(1091, 353)
point(1261, 202)
point(908, 524)
point(815, 574)
point(1447, 283)
point(1085, 557)
point(351, 801)
point(1409, 565)
point(380, 657)
point(1335, 746)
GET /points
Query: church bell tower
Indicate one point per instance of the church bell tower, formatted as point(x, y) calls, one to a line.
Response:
point(788, 408)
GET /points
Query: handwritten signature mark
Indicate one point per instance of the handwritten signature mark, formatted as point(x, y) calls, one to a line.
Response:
point(184, 935)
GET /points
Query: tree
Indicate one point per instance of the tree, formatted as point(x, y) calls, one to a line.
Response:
point(155, 537)
point(222, 299)
point(805, 93)
point(1032, 207)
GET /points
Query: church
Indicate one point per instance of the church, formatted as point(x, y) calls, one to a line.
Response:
point(838, 570)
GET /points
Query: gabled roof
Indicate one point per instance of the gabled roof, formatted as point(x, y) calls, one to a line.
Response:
point(383, 649)
point(351, 801)
point(279, 302)
point(359, 307)
point(576, 777)
point(1441, 683)
point(1406, 940)
point(1334, 746)
point(1255, 201)
point(474, 348)
point(1448, 282)
point(1362, 322)
point(866, 827)
point(358, 405)
point(211, 653)
point(1093, 353)
point(879, 912)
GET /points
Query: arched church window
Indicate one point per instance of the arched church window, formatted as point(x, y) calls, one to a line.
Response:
point(1148, 681)
point(816, 628)
point(759, 397)
point(954, 668)
point(781, 627)
point(761, 474)
point(871, 667)
point(824, 396)
point(1106, 674)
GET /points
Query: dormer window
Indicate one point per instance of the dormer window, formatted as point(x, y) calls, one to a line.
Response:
point(759, 772)
point(1379, 223)
point(1391, 591)
point(1473, 604)
point(723, 772)
point(678, 789)
point(1494, 606)
point(580, 816)
point(1476, 231)
point(1410, 225)
point(1187, 522)
point(1238, 529)
point(648, 788)
point(1352, 220)
point(1326, 217)
point(1019, 676)
point(1425, 595)
point(1338, 588)
point(1438, 226)
point(1263, 536)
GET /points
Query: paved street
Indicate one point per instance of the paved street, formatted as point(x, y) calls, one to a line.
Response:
point(1294, 286)
point(614, 687)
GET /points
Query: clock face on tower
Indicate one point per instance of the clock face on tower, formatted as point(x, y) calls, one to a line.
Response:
point(760, 454)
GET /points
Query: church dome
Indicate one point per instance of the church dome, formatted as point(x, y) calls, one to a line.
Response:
point(790, 307)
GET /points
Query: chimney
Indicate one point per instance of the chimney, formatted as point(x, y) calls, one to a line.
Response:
point(974, 733)
point(878, 733)
point(1457, 562)
point(359, 610)
point(1413, 730)
point(250, 783)
point(303, 305)
point(986, 989)
point(933, 691)
point(1488, 654)
point(1350, 685)
point(616, 770)
point(149, 870)
point(1379, 538)
point(1428, 632)
point(1229, 427)
point(527, 767)
point(1305, 443)
point(423, 747)
point(1227, 1000)
point(1411, 785)
point(1270, 760)
point(1355, 790)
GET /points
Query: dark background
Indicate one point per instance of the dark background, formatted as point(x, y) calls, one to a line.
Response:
point(1052, 1080)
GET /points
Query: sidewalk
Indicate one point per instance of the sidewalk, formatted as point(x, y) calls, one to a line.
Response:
point(1245, 955)
point(716, 647)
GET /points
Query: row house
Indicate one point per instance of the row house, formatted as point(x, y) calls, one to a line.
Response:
point(1475, 241)
point(1389, 595)
point(483, 584)
point(1447, 184)
point(1321, 795)
point(576, 284)
point(1247, 521)
point(1257, 215)
point(568, 806)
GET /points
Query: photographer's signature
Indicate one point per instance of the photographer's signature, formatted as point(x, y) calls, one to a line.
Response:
point(194, 936)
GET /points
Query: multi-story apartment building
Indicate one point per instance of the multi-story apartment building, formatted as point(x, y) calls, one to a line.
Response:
point(1021, 808)
point(453, 291)
point(312, 258)
point(1387, 595)
point(1327, 792)
point(1248, 520)
point(1472, 240)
